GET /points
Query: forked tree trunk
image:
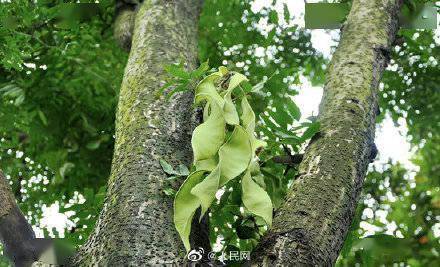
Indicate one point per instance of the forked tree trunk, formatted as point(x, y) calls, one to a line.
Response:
point(135, 227)
point(310, 228)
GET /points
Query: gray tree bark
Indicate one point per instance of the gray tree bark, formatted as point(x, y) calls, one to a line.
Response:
point(135, 227)
point(310, 227)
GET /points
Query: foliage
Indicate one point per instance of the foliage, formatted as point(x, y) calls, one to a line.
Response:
point(58, 94)
point(226, 153)
point(224, 148)
point(403, 212)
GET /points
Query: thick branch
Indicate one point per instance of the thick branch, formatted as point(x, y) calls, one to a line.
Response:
point(124, 25)
point(135, 227)
point(16, 234)
point(310, 228)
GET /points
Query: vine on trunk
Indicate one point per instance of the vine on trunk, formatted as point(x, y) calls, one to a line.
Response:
point(225, 148)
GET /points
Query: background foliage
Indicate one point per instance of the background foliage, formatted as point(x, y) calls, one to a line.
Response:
point(58, 90)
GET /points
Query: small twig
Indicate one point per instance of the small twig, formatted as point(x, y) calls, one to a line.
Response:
point(287, 150)
point(289, 160)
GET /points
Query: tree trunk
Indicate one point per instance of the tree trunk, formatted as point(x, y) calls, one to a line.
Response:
point(310, 228)
point(135, 227)
point(16, 234)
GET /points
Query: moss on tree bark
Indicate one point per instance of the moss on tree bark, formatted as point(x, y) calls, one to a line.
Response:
point(310, 228)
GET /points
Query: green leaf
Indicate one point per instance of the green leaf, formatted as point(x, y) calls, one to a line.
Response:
point(286, 13)
point(273, 17)
point(177, 71)
point(206, 164)
point(202, 69)
point(247, 116)
point(246, 86)
point(185, 205)
point(180, 88)
point(209, 136)
point(206, 90)
point(293, 109)
point(255, 199)
point(183, 170)
point(235, 81)
point(291, 137)
point(166, 167)
point(254, 166)
point(230, 112)
point(42, 117)
point(206, 189)
point(169, 192)
point(268, 121)
point(281, 116)
point(167, 85)
point(12, 91)
point(19, 100)
point(258, 87)
point(248, 121)
point(222, 70)
point(9, 87)
point(93, 145)
point(235, 155)
point(259, 179)
point(311, 131)
point(66, 168)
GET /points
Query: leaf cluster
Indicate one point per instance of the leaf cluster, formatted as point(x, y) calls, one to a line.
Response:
point(224, 148)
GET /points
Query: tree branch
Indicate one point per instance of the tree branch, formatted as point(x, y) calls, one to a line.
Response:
point(310, 227)
point(290, 160)
point(123, 29)
point(136, 225)
point(124, 23)
point(16, 234)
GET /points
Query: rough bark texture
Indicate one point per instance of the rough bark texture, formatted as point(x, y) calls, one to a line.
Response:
point(123, 27)
point(125, 15)
point(309, 229)
point(135, 227)
point(16, 234)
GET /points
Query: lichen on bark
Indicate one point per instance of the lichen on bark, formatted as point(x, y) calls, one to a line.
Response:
point(310, 227)
point(135, 226)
